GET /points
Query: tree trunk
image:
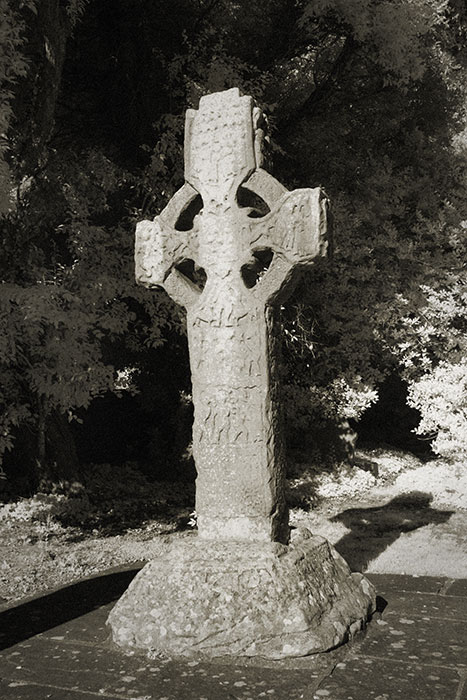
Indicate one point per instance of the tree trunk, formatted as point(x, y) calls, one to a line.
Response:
point(56, 458)
point(61, 450)
point(41, 468)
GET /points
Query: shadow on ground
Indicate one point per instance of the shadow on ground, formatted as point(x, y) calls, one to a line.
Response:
point(372, 530)
point(46, 612)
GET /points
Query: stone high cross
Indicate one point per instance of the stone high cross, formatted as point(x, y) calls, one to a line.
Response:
point(242, 587)
point(229, 264)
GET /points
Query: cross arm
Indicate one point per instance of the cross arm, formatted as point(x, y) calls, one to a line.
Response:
point(160, 246)
point(295, 231)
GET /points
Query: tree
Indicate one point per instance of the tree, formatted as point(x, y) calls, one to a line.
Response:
point(67, 283)
point(391, 301)
point(365, 98)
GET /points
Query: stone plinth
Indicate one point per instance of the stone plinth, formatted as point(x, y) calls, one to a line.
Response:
point(211, 598)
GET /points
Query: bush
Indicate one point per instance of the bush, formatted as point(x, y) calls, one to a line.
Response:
point(111, 498)
point(317, 418)
point(38, 509)
point(441, 398)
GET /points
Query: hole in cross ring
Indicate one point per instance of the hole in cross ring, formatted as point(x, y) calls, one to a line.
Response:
point(186, 217)
point(256, 267)
point(254, 205)
point(189, 269)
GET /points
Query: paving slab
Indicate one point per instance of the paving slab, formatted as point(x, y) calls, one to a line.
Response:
point(376, 679)
point(428, 642)
point(57, 647)
point(458, 588)
point(425, 604)
point(414, 584)
point(20, 691)
point(41, 613)
point(107, 673)
point(416, 648)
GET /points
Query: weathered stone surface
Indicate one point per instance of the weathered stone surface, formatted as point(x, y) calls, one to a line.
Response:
point(211, 254)
point(239, 588)
point(246, 599)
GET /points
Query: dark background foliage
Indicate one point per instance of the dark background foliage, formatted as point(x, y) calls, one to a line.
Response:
point(364, 98)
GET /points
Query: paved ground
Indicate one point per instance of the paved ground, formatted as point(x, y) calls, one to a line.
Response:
point(56, 647)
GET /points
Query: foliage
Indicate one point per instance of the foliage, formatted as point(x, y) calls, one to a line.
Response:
point(36, 509)
point(67, 300)
point(364, 98)
point(13, 66)
point(112, 496)
point(392, 30)
point(392, 299)
point(109, 499)
point(441, 398)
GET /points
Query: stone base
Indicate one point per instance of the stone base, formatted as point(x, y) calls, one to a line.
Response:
point(207, 598)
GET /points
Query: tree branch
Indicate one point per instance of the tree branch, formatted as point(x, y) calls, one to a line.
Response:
point(307, 107)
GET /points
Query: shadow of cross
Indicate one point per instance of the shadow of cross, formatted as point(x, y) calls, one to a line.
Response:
point(226, 247)
point(373, 530)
